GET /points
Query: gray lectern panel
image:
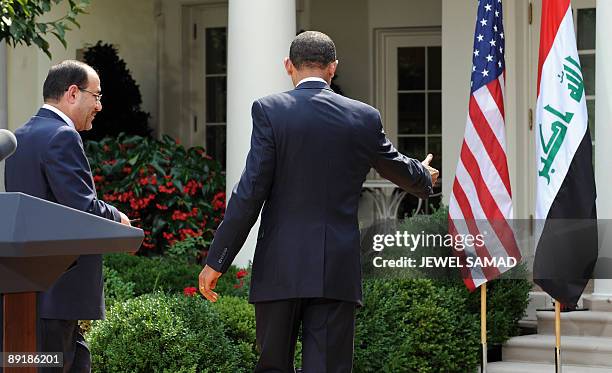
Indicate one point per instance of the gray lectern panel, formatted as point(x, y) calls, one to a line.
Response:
point(20, 275)
point(31, 226)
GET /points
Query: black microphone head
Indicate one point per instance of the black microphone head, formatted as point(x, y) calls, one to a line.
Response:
point(8, 144)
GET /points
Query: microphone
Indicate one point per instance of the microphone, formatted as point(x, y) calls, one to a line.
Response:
point(8, 144)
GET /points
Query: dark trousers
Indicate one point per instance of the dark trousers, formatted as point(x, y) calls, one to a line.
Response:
point(64, 336)
point(328, 328)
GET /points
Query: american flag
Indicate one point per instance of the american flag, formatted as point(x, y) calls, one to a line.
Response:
point(481, 199)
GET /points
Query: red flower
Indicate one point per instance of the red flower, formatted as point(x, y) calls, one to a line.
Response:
point(192, 187)
point(218, 202)
point(161, 207)
point(179, 215)
point(242, 273)
point(127, 170)
point(98, 179)
point(190, 291)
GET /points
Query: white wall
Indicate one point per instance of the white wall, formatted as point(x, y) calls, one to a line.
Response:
point(129, 25)
point(458, 22)
point(346, 22)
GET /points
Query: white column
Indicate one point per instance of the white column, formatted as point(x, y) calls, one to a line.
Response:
point(603, 132)
point(259, 35)
point(3, 102)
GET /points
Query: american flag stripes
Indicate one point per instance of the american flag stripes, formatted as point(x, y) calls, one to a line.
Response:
point(481, 199)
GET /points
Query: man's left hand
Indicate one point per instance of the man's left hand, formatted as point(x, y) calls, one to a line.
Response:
point(208, 281)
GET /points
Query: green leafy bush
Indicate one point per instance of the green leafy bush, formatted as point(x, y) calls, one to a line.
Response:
point(238, 317)
point(165, 333)
point(188, 250)
point(176, 192)
point(116, 289)
point(415, 326)
point(149, 275)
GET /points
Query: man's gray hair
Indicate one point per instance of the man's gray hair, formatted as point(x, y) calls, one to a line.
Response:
point(312, 49)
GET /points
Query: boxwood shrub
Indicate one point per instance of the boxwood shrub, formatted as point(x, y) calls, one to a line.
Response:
point(169, 333)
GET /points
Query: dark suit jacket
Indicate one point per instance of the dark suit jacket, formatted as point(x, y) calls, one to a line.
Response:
point(50, 163)
point(311, 150)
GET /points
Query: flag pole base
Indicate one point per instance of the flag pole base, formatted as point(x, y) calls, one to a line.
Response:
point(483, 365)
point(557, 360)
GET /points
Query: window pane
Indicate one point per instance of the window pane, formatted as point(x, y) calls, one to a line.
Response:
point(216, 92)
point(413, 147)
point(586, 28)
point(216, 50)
point(411, 68)
point(434, 62)
point(216, 142)
point(434, 111)
point(411, 113)
point(588, 72)
point(434, 146)
point(591, 111)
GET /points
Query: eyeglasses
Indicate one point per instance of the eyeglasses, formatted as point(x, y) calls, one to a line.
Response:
point(98, 96)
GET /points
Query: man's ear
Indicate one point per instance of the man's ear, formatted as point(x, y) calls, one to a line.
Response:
point(71, 93)
point(331, 69)
point(288, 66)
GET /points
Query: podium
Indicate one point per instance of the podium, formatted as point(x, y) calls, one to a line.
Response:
point(39, 240)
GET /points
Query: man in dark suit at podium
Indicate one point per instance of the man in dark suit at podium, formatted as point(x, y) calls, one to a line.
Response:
point(311, 150)
point(50, 163)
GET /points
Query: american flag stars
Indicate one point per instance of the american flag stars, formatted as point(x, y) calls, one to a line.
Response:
point(488, 59)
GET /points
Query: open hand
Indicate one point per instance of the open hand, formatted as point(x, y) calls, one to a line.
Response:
point(208, 281)
point(432, 171)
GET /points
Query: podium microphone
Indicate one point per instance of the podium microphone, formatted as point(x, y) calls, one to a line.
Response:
point(8, 144)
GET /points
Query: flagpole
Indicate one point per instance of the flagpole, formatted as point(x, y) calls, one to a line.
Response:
point(483, 326)
point(557, 336)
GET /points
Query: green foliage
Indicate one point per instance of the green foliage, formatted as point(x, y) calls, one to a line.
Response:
point(150, 275)
point(188, 250)
point(19, 22)
point(176, 192)
point(415, 326)
point(121, 100)
point(238, 317)
point(164, 333)
point(116, 289)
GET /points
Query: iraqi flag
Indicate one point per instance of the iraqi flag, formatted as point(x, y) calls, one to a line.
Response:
point(566, 228)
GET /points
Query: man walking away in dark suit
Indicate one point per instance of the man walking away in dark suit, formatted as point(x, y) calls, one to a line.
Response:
point(50, 163)
point(311, 150)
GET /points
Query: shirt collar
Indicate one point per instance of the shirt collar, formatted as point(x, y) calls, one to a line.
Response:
point(60, 113)
point(312, 79)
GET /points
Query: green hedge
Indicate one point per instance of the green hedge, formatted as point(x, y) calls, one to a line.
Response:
point(171, 333)
point(415, 326)
point(167, 275)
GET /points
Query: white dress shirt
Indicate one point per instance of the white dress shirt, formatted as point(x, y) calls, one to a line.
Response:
point(311, 79)
point(60, 113)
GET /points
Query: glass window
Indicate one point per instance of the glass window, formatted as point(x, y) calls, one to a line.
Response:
point(586, 28)
point(411, 68)
point(216, 50)
point(585, 19)
point(419, 114)
point(216, 93)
